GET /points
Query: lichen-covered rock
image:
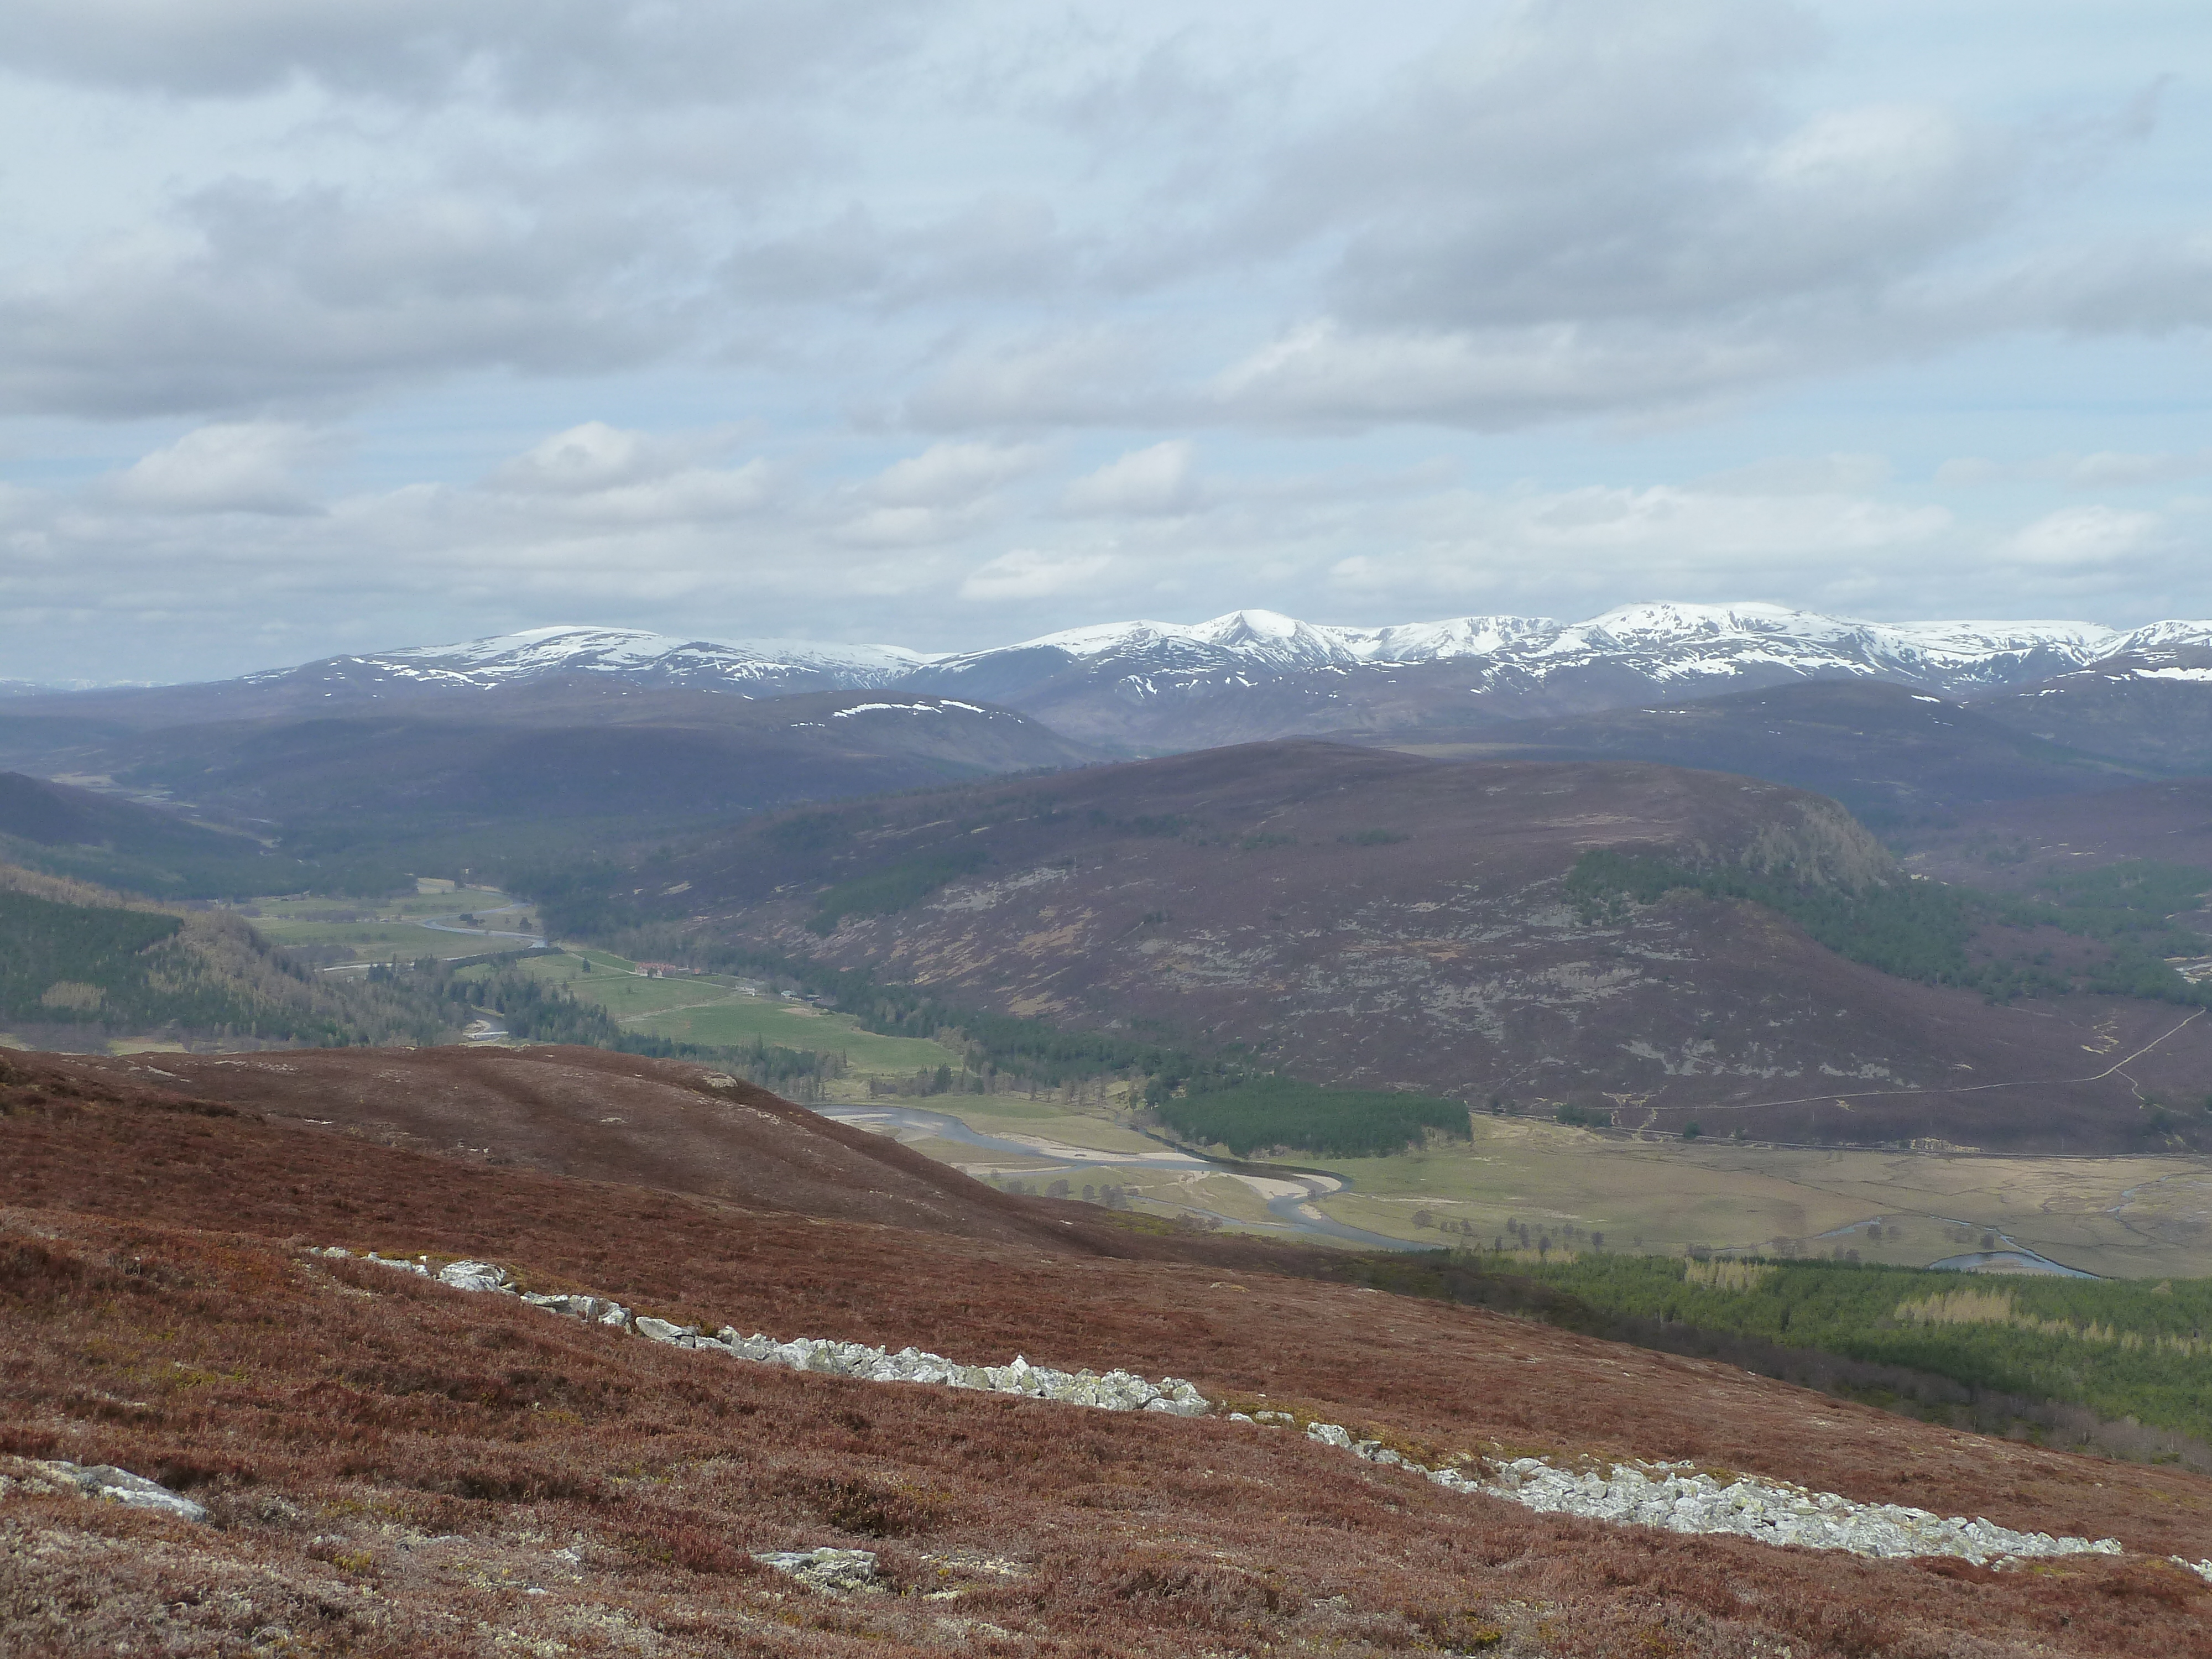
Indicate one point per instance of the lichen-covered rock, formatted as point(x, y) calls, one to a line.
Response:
point(836, 1572)
point(661, 1330)
point(105, 1480)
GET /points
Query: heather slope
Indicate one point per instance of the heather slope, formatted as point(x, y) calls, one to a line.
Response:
point(395, 1467)
point(604, 1116)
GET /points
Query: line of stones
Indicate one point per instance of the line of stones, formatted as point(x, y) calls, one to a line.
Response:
point(1679, 1497)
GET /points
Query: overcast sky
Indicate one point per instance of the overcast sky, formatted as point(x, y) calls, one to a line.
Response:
point(331, 325)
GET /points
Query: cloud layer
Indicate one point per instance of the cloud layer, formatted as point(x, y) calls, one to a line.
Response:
point(952, 318)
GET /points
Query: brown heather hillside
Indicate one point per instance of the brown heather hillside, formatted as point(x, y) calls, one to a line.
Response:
point(392, 1466)
point(612, 1117)
point(2012, 844)
point(1372, 919)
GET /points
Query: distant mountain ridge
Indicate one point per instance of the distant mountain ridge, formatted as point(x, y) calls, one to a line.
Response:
point(1671, 641)
point(1679, 640)
point(1153, 687)
point(756, 667)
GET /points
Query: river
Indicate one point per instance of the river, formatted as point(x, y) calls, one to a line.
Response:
point(1290, 1197)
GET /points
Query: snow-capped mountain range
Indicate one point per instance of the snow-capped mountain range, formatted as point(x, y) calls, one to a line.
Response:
point(1151, 686)
point(1670, 642)
point(1673, 642)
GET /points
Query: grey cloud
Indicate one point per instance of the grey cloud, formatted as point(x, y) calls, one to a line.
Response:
point(1838, 208)
point(1002, 245)
point(538, 52)
point(1080, 375)
point(1323, 375)
point(2146, 285)
point(256, 297)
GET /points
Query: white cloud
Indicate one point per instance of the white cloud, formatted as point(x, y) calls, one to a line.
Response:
point(253, 466)
point(1324, 373)
point(1158, 479)
point(590, 456)
point(1659, 540)
point(2075, 536)
point(953, 474)
point(2109, 468)
point(1026, 574)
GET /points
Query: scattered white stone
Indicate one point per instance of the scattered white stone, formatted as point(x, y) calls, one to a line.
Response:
point(836, 1571)
point(1684, 1499)
point(2202, 1569)
point(1677, 1497)
point(476, 1276)
point(592, 1309)
point(105, 1480)
point(400, 1262)
point(1115, 1390)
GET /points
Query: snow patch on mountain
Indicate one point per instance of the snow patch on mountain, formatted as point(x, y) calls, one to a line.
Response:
point(766, 667)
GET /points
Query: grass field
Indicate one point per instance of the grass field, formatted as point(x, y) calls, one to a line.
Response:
point(718, 1010)
point(2125, 1217)
point(384, 928)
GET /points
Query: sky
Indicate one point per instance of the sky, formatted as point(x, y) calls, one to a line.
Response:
point(330, 325)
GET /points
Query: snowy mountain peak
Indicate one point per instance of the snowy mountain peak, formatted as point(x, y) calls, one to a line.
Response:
point(636, 653)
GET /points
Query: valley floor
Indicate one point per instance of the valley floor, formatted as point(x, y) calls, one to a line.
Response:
point(2125, 1217)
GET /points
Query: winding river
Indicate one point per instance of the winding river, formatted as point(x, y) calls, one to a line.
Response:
point(1290, 1197)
